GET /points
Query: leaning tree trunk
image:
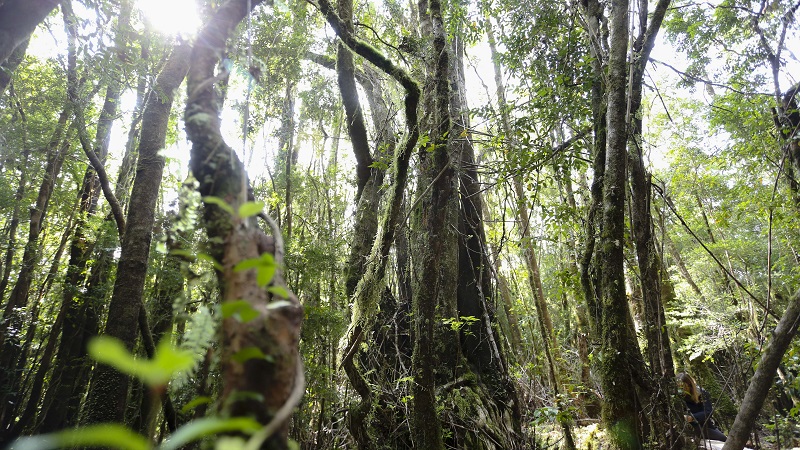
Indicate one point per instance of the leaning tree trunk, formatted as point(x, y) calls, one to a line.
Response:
point(18, 19)
point(220, 173)
point(107, 398)
point(664, 417)
point(764, 377)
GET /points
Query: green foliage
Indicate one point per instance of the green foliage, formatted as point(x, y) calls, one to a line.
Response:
point(104, 435)
point(166, 362)
point(265, 267)
point(239, 309)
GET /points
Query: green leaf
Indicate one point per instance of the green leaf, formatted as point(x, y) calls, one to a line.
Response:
point(241, 309)
point(208, 426)
point(248, 209)
point(247, 264)
point(229, 443)
point(185, 254)
point(166, 362)
point(222, 204)
point(247, 354)
point(279, 291)
point(209, 258)
point(103, 435)
point(201, 400)
point(265, 265)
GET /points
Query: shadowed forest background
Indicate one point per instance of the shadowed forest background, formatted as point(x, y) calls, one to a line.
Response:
point(487, 224)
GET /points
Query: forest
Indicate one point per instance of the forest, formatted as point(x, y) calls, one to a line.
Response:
point(391, 224)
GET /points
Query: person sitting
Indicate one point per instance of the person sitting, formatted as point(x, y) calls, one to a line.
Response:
point(699, 403)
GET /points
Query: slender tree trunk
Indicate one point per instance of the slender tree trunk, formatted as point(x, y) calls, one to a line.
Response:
point(108, 395)
point(18, 300)
point(82, 307)
point(621, 406)
point(14, 223)
point(528, 245)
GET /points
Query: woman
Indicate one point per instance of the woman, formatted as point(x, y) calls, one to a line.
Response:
point(699, 403)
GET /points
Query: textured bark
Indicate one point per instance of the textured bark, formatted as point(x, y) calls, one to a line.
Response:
point(8, 68)
point(591, 273)
point(108, 395)
point(365, 230)
point(479, 340)
point(764, 377)
point(18, 19)
point(436, 243)
point(367, 292)
point(664, 418)
point(617, 344)
point(220, 174)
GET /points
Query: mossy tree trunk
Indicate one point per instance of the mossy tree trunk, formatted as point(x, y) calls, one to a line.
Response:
point(618, 345)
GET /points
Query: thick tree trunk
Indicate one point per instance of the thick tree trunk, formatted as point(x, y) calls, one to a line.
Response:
point(108, 395)
point(18, 19)
point(436, 242)
point(764, 377)
point(479, 339)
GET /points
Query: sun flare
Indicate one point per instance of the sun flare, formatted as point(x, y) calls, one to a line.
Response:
point(171, 17)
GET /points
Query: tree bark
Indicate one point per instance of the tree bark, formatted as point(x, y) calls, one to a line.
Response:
point(108, 394)
point(276, 331)
point(617, 345)
point(764, 377)
point(8, 68)
point(18, 19)
point(81, 306)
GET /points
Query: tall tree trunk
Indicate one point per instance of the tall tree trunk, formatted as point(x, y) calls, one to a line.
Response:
point(665, 412)
point(436, 244)
point(18, 300)
point(82, 307)
point(11, 242)
point(108, 394)
point(368, 182)
point(479, 340)
point(528, 245)
point(276, 331)
point(618, 346)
